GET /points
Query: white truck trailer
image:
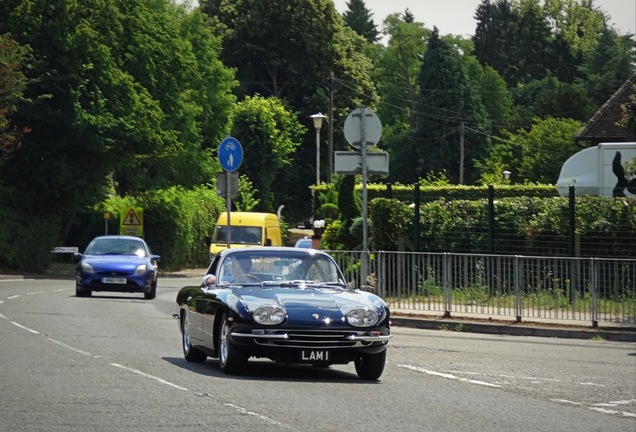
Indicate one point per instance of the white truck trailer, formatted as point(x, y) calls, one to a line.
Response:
point(599, 171)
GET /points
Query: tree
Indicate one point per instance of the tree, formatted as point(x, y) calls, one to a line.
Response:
point(549, 97)
point(607, 66)
point(269, 135)
point(360, 19)
point(449, 110)
point(119, 93)
point(493, 37)
point(296, 51)
point(397, 67)
point(13, 81)
point(533, 156)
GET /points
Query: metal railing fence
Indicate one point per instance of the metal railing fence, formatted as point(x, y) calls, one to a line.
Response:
point(515, 286)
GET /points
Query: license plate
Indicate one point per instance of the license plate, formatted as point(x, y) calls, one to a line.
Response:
point(315, 355)
point(114, 280)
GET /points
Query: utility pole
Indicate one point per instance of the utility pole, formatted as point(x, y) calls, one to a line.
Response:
point(461, 153)
point(330, 133)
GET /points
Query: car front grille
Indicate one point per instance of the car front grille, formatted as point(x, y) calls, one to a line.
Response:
point(309, 338)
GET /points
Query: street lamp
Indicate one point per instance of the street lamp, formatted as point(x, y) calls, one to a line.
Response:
point(506, 174)
point(317, 118)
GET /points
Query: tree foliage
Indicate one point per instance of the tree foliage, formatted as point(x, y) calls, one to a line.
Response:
point(120, 93)
point(360, 19)
point(449, 110)
point(534, 155)
point(269, 135)
point(13, 81)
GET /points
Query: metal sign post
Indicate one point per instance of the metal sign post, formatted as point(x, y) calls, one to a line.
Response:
point(231, 157)
point(363, 129)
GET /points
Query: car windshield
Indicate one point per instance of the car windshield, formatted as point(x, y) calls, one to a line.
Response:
point(265, 266)
point(116, 247)
point(239, 234)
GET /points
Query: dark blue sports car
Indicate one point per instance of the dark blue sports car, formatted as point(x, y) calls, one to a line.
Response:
point(117, 264)
point(290, 305)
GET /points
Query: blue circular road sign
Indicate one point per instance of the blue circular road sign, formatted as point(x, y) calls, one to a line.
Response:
point(230, 154)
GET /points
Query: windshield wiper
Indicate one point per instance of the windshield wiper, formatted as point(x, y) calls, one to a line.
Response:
point(333, 284)
point(305, 283)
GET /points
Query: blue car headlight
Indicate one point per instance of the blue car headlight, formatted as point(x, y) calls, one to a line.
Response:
point(87, 268)
point(141, 270)
point(269, 315)
point(362, 317)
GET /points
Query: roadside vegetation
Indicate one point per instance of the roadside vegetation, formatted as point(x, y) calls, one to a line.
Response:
point(106, 104)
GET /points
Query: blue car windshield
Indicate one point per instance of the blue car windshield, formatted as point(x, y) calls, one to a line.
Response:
point(116, 247)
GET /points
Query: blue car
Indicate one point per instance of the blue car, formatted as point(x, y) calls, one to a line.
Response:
point(286, 304)
point(305, 242)
point(116, 263)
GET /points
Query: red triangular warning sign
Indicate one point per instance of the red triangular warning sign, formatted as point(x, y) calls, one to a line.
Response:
point(131, 218)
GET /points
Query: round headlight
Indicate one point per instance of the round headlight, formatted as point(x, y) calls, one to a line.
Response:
point(370, 318)
point(268, 315)
point(260, 315)
point(362, 317)
point(354, 317)
point(277, 316)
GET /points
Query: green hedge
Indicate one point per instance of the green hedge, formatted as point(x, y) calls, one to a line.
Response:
point(604, 227)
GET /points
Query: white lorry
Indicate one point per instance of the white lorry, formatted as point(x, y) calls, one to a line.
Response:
point(599, 171)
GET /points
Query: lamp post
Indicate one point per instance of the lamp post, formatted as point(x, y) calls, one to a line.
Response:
point(317, 118)
point(506, 174)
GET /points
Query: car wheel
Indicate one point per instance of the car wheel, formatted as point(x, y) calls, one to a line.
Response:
point(231, 358)
point(152, 293)
point(81, 291)
point(190, 353)
point(370, 366)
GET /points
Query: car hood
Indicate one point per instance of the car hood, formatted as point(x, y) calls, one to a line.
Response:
point(304, 306)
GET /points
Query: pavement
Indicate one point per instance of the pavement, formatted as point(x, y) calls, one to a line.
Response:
point(432, 320)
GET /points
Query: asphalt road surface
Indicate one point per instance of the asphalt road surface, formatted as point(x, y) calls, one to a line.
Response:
point(114, 363)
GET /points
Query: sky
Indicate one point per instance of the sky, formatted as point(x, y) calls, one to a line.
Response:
point(456, 16)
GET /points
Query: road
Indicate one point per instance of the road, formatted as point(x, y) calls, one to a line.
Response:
point(114, 363)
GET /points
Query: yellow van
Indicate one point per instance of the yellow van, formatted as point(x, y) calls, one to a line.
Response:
point(247, 229)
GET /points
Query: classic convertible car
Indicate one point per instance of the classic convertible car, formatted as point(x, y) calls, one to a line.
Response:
point(290, 305)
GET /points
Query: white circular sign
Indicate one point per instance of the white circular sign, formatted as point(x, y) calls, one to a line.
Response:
point(357, 120)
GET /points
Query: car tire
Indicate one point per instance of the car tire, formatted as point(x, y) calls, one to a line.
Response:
point(81, 291)
point(370, 366)
point(190, 353)
point(232, 359)
point(152, 293)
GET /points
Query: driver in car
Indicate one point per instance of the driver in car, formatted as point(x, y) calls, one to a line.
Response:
point(241, 267)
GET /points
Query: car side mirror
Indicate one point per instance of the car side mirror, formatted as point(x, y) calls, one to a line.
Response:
point(268, 242)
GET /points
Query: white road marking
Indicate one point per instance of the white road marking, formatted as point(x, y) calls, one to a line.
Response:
point(262, 417)
point(503, 376)
point(152, 377)
point(14, 297)
point(448, 376)
point(62, 344)
point(36, 292)
point(604, 410)
point(565, 401)
point(24, 328)
point(601, 407)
